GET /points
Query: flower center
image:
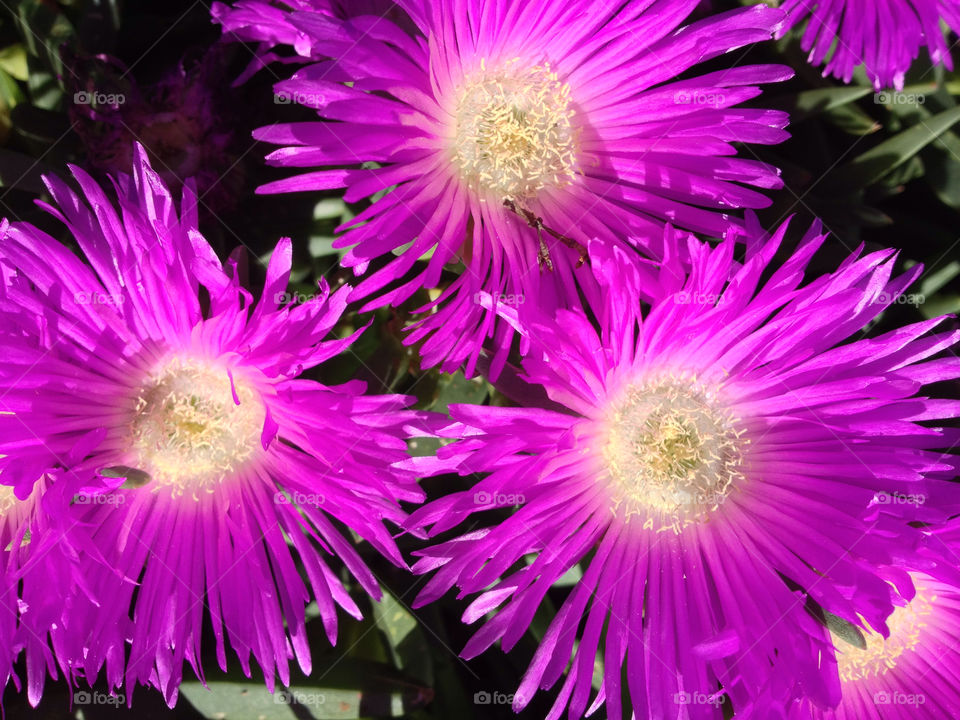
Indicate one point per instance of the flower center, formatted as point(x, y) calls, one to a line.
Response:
point(192, 427)
point(906, 625)
point(8, 500)
point(673, 454)
point(13, 512)
point(514, 131)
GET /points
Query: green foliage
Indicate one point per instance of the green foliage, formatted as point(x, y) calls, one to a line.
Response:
point(884, 171)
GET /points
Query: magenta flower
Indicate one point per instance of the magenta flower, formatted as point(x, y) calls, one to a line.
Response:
point(231, 463)
point(909, 675)
point(42, 589)
point(714, 463)
point(884, 37)
point(269, 24)
point(496, 117)
point(182, 120)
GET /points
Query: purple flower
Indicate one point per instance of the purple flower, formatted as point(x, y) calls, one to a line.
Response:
point(507, 134)
point(909, 675)
point(269, 24)
point(181, 120)
point(884, 37)
point(38, 612)
point(714, 464)
point(170, 406)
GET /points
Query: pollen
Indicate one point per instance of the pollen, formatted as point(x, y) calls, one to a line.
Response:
point(673, 453)
point(193, 427)
point(515, 133)
point(906, 625)
point(8, 500)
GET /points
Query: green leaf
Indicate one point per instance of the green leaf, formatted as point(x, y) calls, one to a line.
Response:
point(235, 701)
point(935, 281)
point(852, 120)
point(405, 637)
point(44, 29)
point(843, 630)
point(322, 245)
point(13, 60)
point(871, 166)
point(456, 388)
point(10, 92)
point(809, 103)
point(941, 305)
point(341, 688)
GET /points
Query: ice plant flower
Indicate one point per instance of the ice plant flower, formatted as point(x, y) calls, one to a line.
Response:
point(269, 25)
point(909, 675)
point(146, 378)
point(38, 573)
point(716, 463)
point(506, 134)
point(181, 120)
point(884, 37)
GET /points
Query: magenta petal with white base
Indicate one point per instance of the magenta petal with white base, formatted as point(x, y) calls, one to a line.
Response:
point(884, 36)
point(155, 389)
point(567, 111)
point(717, 462)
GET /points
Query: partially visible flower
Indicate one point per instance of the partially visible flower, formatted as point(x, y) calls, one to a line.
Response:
point(170, 406)
point(505, 134)
point(41, 589)
point(268, 23)
point(181, 121)
point(910, 675)
point(715, 464)
point(884, 37)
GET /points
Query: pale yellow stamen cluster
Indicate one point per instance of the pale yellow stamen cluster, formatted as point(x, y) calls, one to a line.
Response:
point(906, 626)
point(11, 509)
point(188, 432)
point(673, 452)
point(7, 500)
point(515, 133)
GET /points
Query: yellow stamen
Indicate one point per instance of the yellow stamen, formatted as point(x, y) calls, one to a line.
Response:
point(673, 452)
point(906, 625)
point(188, 432)
point(515, 132)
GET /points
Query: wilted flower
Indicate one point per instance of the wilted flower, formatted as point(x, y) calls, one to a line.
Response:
point(181, 120)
